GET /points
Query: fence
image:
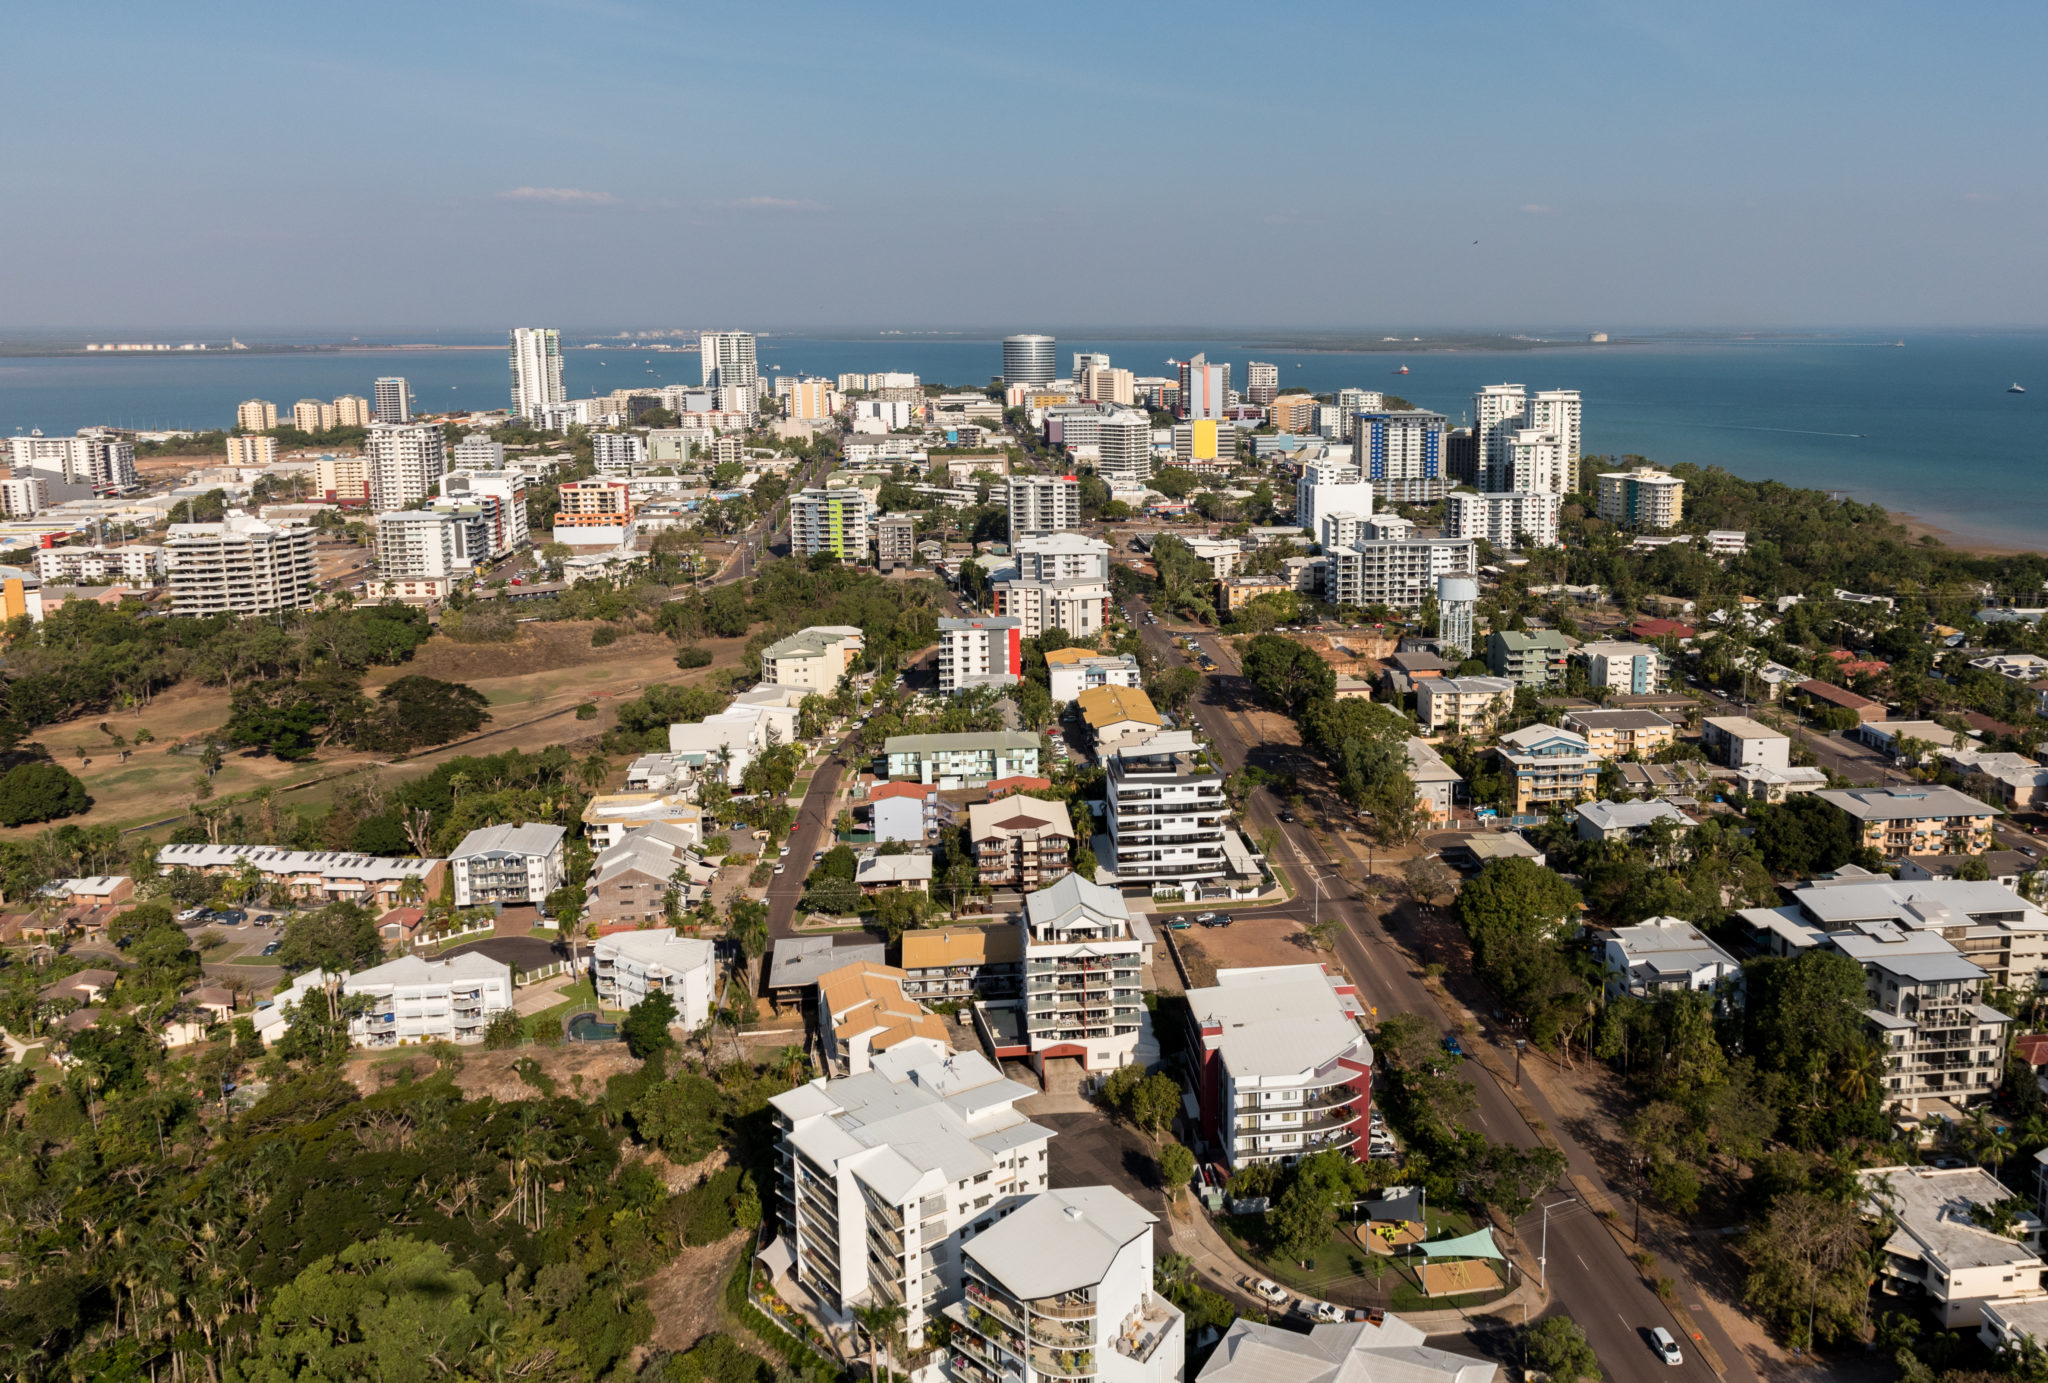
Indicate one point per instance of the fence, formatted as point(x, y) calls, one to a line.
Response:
point(559, 967)
point(444, 938)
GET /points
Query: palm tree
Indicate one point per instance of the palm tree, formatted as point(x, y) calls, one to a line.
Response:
point(878, 1323)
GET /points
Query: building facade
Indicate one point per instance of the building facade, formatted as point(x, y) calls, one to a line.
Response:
point(238, 566)
point(1283, 1065)
point(833, 521)
point(509, 864)
point(983, 652)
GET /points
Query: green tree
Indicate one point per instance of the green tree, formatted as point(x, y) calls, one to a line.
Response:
point(645, 1028)
point(414, 712)
point(338, 937)
point(1557, 1346)
point(41, 791)
point(1286, 674)
point(1176, 1166)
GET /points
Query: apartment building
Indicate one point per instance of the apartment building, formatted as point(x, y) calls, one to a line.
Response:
point(1662, 954)
point(501, 496)
point(1462, 705)
point(509, 864)
point(628, 966)
point(982, 652)
point(1295, 413)
point(1739, 742)
point(1940, 1253)
point(417, 1000)
point(1436, 782)
point(238, 566)
point(1509, 521)
point(833, 520)
point(864, 1012)
point(353, 410)
point(896, 542)
point(610, 817)
point(1643, 498)
point(405, 463)
point(139, 564)
point(535, 361)
point(1205, 444)
point(1988, 923)
point(633, 879)
point(255, 415)
point(961, 964)
point(1631, 820)
point(422, 546)
point(1634, 669)
point(393, 399)
point(342, 479)
point(1328, 487)
point(812, 400)
point(1550, 766)
point(1618, 734)
point(969, 760)
point(1395, 568)
point(618, 453)
point(1167, 813)
point(377, 882)
point(1261, 382)
point(1531, 459)
point(1083, 966)
point(1919, 820)
point(313, 415)
point(24, 496)
point(1062, 1287)
point(252, 451)
point(815, 658)
point(1020, 842)
point(1072, 671)
point(1399, 445)
point(594, 510)
point(1283, 1065)
point(1057, 581)
point(882, 1175)
point(1378, 1346)
point(1116, 716)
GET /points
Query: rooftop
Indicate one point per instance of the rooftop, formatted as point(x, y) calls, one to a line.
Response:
point(928, 948)
point(1743, 728)
point(1630, 816)
point(1060, 1241)
point(1619, 720)
point(801, 960)
point(1932, 1207)
point(969, 740)
point(1279, 1020)
point(1017, 813)
point(1101, 706)
point(866, 997)
point(529, 838)
point(1905, 804)
point(1382, 1350)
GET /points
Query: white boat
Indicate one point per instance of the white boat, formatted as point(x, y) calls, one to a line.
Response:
point(2016, 388)
point(1402, 371)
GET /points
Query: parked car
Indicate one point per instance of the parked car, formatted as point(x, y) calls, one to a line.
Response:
point(1452, 1046)
point(1271, 1291)
point(1177, 924)
point(1217, 919)
point(271, 949)
point(780, 867)
point(1666, 1347)
point(1328, 1313)
point(233, 917)
point(1203, 917)
point(190, 914)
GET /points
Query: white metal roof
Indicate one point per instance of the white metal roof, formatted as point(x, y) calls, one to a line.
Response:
point(1060, 1241)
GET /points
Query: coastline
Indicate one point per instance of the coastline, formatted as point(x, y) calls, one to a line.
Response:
point(1961, 542)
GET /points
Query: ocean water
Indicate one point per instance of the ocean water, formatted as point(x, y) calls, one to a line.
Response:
point(1927, 428)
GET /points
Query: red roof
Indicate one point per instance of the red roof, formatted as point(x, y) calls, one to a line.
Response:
point(1661, 628)
point(1853, 666)
point(2032, 1048)
point(1984, 724)
point(920, 791)
point(1834, 695)
point(1003, 787)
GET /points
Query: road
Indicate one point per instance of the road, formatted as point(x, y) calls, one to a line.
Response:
point(1591, 1279)
point(813, 833)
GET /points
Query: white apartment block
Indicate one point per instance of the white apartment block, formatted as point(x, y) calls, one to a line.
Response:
point(405, 462)
point(979, 652)
point(883, 415)
point(252, 451)
point(728, 362)
point(24, 496)
point(1325, 489)
point(1043, 504)
point(1083, 966)
point(239, 566)
point(1938, 1252)
point(536, 363)
point(106, 463)
point(833, 520)
point(629, 966)
point(618, 453)
point(881, 1176)
point(1641, 498)
point(814, 658)
point(138, 565)
point(1497, 411)
point(419, 545)
point(477, 452)
point(1527, 458)
point(1559, 413)
point(1124, 447)
point(501, 495)
point(1059, 581)
point(1167, 815)
point(509, 864)
point(1462, 705)
point(1504, 519)
point(1740, 742)
point(417, 1000)
point(1634, 669)
point(1074, 670)
point(1062, 1288)
point(1398, 572)
point(1283, 1067)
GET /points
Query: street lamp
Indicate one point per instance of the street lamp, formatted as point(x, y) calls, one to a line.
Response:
point(1543, 1251)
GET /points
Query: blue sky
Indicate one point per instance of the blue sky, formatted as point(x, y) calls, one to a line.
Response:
point(613, 162)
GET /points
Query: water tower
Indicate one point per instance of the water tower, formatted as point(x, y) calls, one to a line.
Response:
point(1457, 601)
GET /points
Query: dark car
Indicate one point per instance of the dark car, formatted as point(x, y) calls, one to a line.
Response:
point(1287, 817)
point(1217, 919)
point(1452, 1046)
point(234, 917)
point(271, 949)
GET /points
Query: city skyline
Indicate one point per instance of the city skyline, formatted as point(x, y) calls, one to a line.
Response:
point(1656, 166)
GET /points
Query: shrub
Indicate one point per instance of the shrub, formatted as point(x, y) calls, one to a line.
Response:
point(587, 711)
point(691, 655)
point(40, 792)
point(604, 635)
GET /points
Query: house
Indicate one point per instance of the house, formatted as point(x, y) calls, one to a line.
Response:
point(1436, 782)
point(1020, 842)
point(2020, 667)
point(1636, 668)
point(1534, 659)
point(1617, 734)
point(1117, 715)
point(377, 882)
point(1890, 736)
point(1071, 671)
point(610, 817)
point(1548, 765)
point(508, 864)
point(2014, 780)
point(84, 987)
point(92, 891)
point(956, 964)
point(1940, 1253)
point(1665, 953)
point(962, 760)
point(1646, 629)
point(1077, 1263)
point(1283, 1065)
point(1381, 1348)
point(400, 925)
point(1739, 742)
point(418, 1000)
point(1608, 820)
point(628, 966)
point(903, 811)
point(863, 1012)
point(1919, 820)
point(931, 1143)
point(1828, 694)
point(814, 658)
point(1761, 784)
point(1462, 705)
point(798, 962)
point(910, 873)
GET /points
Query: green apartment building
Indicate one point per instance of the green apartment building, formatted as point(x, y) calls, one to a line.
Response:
point(1534, 659)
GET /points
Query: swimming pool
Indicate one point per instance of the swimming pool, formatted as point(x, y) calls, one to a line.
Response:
point(584, 1027)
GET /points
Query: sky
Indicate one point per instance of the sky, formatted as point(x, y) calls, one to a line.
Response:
point(1502, 164)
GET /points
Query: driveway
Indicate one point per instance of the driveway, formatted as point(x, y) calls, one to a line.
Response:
point(1092, 1151)
point(519, 952)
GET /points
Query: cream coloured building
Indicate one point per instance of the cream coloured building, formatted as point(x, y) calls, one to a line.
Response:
point(816, 657)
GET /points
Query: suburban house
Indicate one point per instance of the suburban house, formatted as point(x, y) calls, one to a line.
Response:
point(1284, 1068)
point(1381, 1348)
point(1020, 842)
point(1606, 820)
point(1617, 734)
point(1548, 765)
point(910, 872)
point(1918, 820)
point(629, 966)
point(1665, 953)
point(1828, 694)
point(508, 864)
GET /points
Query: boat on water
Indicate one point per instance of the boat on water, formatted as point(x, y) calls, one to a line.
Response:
point(1402, 371)
point(2017, 388)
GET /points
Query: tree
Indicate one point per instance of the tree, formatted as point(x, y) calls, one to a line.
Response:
point(1085, 863)
point(1176, 1166)
point(1806, 836)
point(41, 791)
point(879, 1323)
point(1286, 674)
point(1807, 1267)
point(339, 937)
point(646, 1024)
point(1172, 687)
point(1557, 1346)
point(747, 922)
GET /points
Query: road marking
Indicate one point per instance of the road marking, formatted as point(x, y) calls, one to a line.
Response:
point(1582, 1263)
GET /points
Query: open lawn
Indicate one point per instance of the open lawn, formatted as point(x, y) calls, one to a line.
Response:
point(580, 997)
point(1340, 1270)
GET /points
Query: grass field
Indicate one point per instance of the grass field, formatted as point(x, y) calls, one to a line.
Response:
point(1340, 1269)
point(580, 997)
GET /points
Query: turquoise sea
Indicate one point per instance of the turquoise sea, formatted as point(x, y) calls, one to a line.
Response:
point(1927, 428)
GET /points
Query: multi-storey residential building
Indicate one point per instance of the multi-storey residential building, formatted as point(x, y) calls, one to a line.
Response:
point(1105, 384)
point(815, 658)
point(501, 495)
point(1204, 444)
point(812, 400)
point(863, 1012)
point(139, 564)
point(1513, 519)
point(1204, 388)
point(1123, 442)
point(958, 964)
point(25, 496)
point(1436, 782)
point(1740, 742)
point(1941, 1041)
point(728, 361)
point(1558, 412)
point(1374, 1345)
point(1550, 767)
point(1641, 498)
point(1665, 953)
point(968, 760)
point(353, 410)
point(394, 399)
point(1072, 671)
point(239, 566)
point(1043, 504)
point(1617, 734)
point(1918, 820)
point(1462, 705)
point(378, 882)
point(1400, 445)
point(1630, 821)
point(1534, 659)
point(1283, 1067)
point(342, 479)
point(1327, 488)
point(1497, 411)
point(312, 415)
point(1394, 568)
point(417, 1000)
point(423, 549)
point(1029, 359)
point(896, 542)
point(629, 966)
point(1083, 961)
point(981, 652)
point(881, 1176)
point(1635, 669)
point(252, 451)
point(1059, 581)
point(1527, 458)
point(1167, 813)
point(618, 453)
point(609, 818)
point(594, 510)
point(833, 520)
point(1020, 842)
point(1937, 1250)
point(1261, 382)
point(255, 415)
point(1062, 1288)
point(509, 864)
point(1292, 413)
point(477, 452)
point(1116, 716)
point(405, 462)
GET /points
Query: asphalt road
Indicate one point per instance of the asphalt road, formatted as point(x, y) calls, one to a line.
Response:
point(1591, 1279)
point(813, 833)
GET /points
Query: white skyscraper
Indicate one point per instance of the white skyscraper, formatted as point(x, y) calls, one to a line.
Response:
point(536, 371)
point(1527, 458)
point(1503, 519)
point(1043, 504)
point(1496, 410)
point(394, 400)
point(1557, 412)
point(405, 462)
point(727, 359)
point(1124, 439)
point(1261, 382)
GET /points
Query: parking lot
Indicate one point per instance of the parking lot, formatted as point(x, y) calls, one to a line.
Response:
point(1268, 940)
point(254, 937)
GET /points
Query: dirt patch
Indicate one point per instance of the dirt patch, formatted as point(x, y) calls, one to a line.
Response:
point(1255, 941)
point(1194, 958)
point(547, 646)
point(687, 1295)
point(491, 1073)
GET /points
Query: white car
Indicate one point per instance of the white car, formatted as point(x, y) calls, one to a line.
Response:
point(1667, 1348)
point(1328, 1313)
point(1271, 1291)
